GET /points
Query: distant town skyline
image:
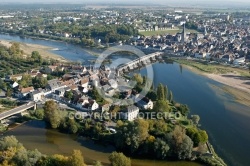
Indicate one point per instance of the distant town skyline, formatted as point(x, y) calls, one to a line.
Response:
point(163, 2)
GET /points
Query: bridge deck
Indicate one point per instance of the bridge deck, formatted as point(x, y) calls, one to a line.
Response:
point(17, 110)
point(143, 58)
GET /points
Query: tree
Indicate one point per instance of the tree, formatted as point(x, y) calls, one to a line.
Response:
point(26, 81)
point(26, 157)
point(158, 127)
point(54, 160)
point(185, 149)
point(8, 92)
point(69, 95)
point(161, 92)
point(196, 119)
point(119, 159)
point(73, 128)
point(132, 134)
point(170, 97)
point(184, 110)
point(161, 106)
point(138, 78)
point(98, 127)
point(36, 56)
point(2, 84)
point(152, 95)
point(165, 92)
point(76, 159)
point(15, 49)
point(114, 109)
point(9, 142)
point(39, 113)
point(142, 127)
point(181, 144)
point(197, 136)
point(39, 82)
point(97, 163)
point(203, 136)
point(96, 95)
point(52, 114)
point(119, 123)
point(161, 148)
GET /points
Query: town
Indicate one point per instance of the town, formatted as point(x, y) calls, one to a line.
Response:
point(77, 97)
point(209, 35)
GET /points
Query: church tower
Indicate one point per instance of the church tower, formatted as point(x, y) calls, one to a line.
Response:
point(184, 36)
point(205, 31)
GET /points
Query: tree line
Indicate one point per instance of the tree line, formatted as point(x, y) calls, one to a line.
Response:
point(13, 153)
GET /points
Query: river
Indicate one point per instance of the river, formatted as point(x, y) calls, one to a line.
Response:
point(226, 121)
point(34, 135)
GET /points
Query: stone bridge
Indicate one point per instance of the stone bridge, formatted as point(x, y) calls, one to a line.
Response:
point(141, 61)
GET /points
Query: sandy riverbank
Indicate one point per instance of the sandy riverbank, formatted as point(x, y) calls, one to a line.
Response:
point(43, 50)
point(232, 80)
point(235, 84)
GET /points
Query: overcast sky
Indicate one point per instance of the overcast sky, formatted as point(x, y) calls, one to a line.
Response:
point(245, 3)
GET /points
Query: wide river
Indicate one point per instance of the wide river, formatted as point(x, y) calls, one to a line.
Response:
point(226, 121)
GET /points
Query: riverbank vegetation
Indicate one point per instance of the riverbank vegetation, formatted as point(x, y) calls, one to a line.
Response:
point(212, 68)
point(7, 104)
point(13, 153)
point(82, 35)
point(28, 48)
point(14, 61)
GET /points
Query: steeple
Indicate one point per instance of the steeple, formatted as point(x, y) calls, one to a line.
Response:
point(205, 30)
point(183, 37)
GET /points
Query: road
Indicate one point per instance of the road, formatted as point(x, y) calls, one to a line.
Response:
point(16, 110)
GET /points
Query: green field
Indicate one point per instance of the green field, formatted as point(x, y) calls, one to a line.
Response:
point(213, 68)
point(167, 31)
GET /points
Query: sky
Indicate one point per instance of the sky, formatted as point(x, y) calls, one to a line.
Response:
point(245, 3)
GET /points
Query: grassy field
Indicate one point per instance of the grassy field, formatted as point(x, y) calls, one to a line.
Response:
point(167, 31)
point(6, 104)
point(213, 68)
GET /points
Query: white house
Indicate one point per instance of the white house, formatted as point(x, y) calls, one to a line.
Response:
point(130, 114)
point(37, 95)
point(23, 92)
point(14, 85)
point(108, 90)
point(87, 104)
point(227, 58)
point(93, 105)
point(16, 77)
point(58, 93)
point(145, 104)
point(200, 55)
point(81, 102)
point(50, 69)
point(54, 85)
point(84, 82)
point(239, 60)
point(113, 83)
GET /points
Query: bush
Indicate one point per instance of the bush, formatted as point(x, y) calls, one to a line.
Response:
point(119, 159)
